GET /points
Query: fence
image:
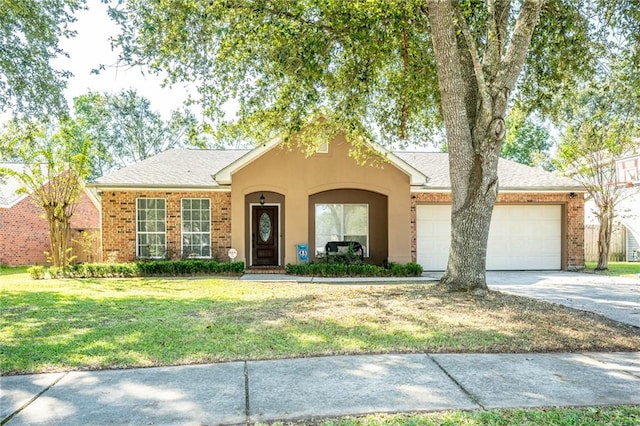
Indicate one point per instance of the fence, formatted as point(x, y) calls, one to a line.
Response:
point(86, 245)
point(617, 249)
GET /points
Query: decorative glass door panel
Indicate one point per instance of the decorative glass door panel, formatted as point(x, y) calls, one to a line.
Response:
point(264, 236)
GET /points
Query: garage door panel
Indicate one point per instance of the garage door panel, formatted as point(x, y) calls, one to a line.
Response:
point(433, 233)
point(520, 237)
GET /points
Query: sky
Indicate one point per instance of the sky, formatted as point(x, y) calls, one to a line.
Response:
point(91, 48)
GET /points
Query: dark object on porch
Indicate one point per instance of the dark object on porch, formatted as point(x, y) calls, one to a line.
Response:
point(342, 248)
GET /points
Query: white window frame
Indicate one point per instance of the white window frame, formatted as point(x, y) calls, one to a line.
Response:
point(139, 233)
point(367, 249)
point(322, 148)
point(183, 233)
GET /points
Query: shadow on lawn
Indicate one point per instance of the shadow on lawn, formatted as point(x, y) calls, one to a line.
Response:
point(47, 331)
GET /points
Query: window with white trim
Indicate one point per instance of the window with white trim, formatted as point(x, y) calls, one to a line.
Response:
point(151, 237)
point(322, 148)
point(196, 227)
point(342, 222)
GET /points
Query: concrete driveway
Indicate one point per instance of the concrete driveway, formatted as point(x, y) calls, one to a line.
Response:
point(613, 297)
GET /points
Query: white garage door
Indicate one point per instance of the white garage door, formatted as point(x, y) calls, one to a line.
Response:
point(521, 237)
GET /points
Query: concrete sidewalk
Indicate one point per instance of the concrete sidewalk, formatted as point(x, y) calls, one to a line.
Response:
point(247, 392)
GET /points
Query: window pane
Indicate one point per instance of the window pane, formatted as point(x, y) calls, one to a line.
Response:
point(328, 228)
point(342, 222)
point(355, 219)
point(196, 227)
point(151, 239)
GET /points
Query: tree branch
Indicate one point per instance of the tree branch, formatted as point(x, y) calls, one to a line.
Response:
point(475, 59)
point(519, 45)
point(497, 21)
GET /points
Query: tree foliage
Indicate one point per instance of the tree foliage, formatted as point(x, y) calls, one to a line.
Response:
point(55, 161)
point(29, 40)
point(526, 141)
point(601, 126)
point(124, 129)
point(390, 70)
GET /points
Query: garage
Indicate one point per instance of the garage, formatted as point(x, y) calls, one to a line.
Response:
point(521, 237)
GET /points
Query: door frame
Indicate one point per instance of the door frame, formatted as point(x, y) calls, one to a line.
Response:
point(279, 236)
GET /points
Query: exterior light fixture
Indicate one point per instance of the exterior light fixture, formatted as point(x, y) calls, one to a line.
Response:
point(262, 199)
point(572, 195)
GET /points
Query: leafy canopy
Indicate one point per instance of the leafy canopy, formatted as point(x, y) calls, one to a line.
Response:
point(124, 129)
point(29, 40)
point(366, 66)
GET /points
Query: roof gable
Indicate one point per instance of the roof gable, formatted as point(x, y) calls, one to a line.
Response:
point(10, 186)
point(224, 176)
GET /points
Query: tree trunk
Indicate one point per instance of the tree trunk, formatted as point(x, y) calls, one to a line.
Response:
point(604, 238)
point(474, 90)
point(58, 238)
point(470, 220)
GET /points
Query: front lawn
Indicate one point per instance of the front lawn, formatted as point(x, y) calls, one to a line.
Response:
point(619, 269)
point(583, 416)
point(11, 270)
point(50, 325)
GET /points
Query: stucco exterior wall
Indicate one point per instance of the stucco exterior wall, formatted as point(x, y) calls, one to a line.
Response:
point(572, 226)
point(296, 178)
point(119, 222)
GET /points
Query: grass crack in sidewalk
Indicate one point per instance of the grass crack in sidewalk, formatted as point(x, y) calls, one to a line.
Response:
point(471, 396)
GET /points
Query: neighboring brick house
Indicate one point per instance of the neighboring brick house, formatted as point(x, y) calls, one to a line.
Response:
point(266, 201)
point(24, 232)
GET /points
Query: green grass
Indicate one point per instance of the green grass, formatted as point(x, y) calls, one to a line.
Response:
point(51, 325)
point(11, 270)
point(587, 416)
point(619, 269)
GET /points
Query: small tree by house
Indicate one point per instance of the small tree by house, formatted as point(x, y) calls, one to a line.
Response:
point(55, 165)
point(587, 153)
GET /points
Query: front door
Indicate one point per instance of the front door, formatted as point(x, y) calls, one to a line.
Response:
point(264, 235)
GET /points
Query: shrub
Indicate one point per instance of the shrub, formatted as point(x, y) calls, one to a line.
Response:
point(36, 272)
point(55, 272)
point(332, 269)
point(153, 268)
point(414, 269)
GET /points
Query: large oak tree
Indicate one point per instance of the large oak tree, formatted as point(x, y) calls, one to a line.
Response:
point(390, 70)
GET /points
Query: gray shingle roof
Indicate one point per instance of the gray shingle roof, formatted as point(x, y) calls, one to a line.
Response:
point(9, 185)
point(194, 168)
point(188, 168)
point(511, 175)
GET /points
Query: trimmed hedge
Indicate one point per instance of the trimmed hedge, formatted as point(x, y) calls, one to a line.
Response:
point(326, 269)
point(149, 268)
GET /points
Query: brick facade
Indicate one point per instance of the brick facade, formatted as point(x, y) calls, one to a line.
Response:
point(24, 232)
point(119, 222)
point(572, 228)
